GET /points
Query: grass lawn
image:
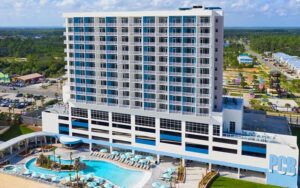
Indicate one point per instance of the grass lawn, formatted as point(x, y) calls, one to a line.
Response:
point(223, 182)
point(14, 131)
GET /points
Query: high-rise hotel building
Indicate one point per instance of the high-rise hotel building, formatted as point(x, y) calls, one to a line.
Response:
point(151, 82)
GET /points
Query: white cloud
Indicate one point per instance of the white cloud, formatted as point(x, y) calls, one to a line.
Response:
point(265, 8)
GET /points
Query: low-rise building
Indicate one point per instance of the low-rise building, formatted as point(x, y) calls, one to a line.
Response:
point(292, 62)
point(245, 59)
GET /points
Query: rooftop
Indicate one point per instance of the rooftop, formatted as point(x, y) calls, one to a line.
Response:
point(233, 103)
point(292, 60)
point(259, 121)
point(30, 76)
point(58, 109)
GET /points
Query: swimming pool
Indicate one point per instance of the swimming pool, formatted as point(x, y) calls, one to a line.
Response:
point(117, 175)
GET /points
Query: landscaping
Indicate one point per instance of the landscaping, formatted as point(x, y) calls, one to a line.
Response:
point(15, 131)
point(223, 182)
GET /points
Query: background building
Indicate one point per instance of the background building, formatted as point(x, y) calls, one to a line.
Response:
point(245, 59)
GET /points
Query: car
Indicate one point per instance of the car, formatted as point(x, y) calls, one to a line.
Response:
point(19, 95)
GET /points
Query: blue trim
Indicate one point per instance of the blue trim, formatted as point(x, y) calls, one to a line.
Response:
point(65, 129)
point(254, 149)
point(197, 150)
point(174, 155)
point(145, 141)
point(170, 137)
point(80, 124)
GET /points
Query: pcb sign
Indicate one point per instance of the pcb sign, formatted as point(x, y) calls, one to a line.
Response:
point(282, 165)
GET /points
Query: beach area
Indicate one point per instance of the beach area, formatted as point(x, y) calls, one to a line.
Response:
point(8, 181)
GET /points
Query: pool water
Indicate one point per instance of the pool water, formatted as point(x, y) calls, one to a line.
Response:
point(117, 175)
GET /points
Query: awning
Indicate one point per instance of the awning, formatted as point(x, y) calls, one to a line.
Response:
point(67, 140)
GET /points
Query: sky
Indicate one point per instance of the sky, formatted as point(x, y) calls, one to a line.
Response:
point(238, 13)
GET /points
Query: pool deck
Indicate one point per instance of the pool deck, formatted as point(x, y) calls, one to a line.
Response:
point(9, 181)
point(84, 155)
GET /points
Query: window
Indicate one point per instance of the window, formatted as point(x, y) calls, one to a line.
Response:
point(100, 123)
point(170, 124)
point(197, 137)
point(79, 112)
point(122, 118)
point(121, 126)
point(145, 130)
point(145, 121)
point(216, 130)
point(225, 150)
point(232, 127)
point(63, 117)
point(225, 141)
point(196, 127)
point(101, 115)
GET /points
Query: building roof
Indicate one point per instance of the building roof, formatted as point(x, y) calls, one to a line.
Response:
point(293, 61)
point(185, 12)
point(233, 103)
point(259, 121)
point(18, 139)
point(29, 76)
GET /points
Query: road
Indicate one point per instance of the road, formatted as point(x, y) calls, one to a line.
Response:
point(267, 63)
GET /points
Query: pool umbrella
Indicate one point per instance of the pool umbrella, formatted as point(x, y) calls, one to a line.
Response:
point(54, 179)
point(156, 184)
point(92, 184)
point(100, 180)
point(129, 154)
point(123, 156)
point(90, 176)
point(165, 186)
point(35, 175)
point(142, 161)
point(43, 176)
point(149, 158)
point(103, 150)
point(107, 185)
point(138, 157)
point(115, 153)
point(27, 172)
point(167, 176)
point(134, 159)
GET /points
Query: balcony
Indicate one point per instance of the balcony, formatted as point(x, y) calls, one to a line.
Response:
point(204, 24)
point(191, 24)
point(149, 34)
point(175, 34)
point(175, 24)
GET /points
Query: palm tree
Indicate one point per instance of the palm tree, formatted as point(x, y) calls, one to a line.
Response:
point(287, 105)
point(54, 154)
point(71, 158)
point(70, 175)
point(59, 160)
point(42, 101)
point(56, 95)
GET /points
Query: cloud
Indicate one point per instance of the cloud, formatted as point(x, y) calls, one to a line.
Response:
point(265, 8)
point(237, 12)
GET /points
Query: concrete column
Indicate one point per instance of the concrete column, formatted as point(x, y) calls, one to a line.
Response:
point(209, 166)
point(45, 139)
point(11, 149)
point(239, 173)
point(35, 140)
point(91, 145)
point(19, 146)
point(110, 149)
point(158, 158)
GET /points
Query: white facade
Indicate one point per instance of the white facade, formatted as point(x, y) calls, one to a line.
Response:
point(156, 87)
